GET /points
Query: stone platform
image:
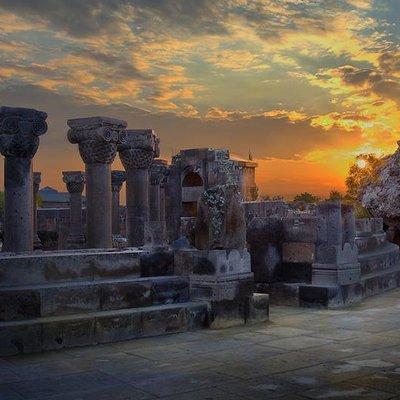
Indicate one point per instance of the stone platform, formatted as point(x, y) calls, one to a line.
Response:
point(76, 298)
point(303, 354)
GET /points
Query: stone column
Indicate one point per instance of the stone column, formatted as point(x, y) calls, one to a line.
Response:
point(117, 179)
point(162, 195)
point(75, 181)
point(37, 178)
point(20, 129)
point(137, 155)
point(157, 172)
point(98, 138)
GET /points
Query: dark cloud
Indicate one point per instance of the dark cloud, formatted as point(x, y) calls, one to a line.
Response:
point(76, 17)
point(357, 76)
point(390, 61)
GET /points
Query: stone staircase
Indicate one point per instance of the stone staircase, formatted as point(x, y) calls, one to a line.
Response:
point(79, 308)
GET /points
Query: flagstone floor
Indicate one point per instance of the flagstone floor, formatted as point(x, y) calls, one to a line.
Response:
point(301, 354)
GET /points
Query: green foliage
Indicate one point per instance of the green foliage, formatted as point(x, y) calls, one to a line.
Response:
point(360, 173)
point(335, 195)
point(39, 201)
point(307, 197)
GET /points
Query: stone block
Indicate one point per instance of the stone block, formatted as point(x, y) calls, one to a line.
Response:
point(121, 295)
point(70, 331)
point(167, 291)
point(197, 316)
point(300, 229)
point(19, 304)
point(266, 261)
point(119, 327)
point(158, 262)
point(258, 308)
point(363, 227)
point(70, 299)
point(164, 320)
point(297, 252)
point(265, 230)
point(20, 338)
point(155, 233)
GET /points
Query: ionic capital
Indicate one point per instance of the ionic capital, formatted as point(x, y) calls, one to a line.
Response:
point(117, 179)
point(97, 138)
point(75, 181)
point(20, 129)
point(140, 148)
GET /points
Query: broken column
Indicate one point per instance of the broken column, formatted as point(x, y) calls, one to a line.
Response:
point(20, 129)
point(117, 179)
point(37, 178)
point(75, 181)
point(98, 138)
point(336, 261)
point(137, 155)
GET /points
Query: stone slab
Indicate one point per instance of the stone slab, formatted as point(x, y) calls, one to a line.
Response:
point(297, 252)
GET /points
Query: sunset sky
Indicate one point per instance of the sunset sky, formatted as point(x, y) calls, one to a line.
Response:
point(305, 84)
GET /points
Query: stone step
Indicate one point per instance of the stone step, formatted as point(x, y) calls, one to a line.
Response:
point(381, 259)
point(34, 301)
point(51, 333)
point(378, 282)
point(68, 266)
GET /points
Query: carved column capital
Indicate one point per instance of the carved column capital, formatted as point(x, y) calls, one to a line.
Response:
point(20, 129)
point(158, 171)
point(97, 138)
point(140, 148)
point(75, 181)
point(117, 179)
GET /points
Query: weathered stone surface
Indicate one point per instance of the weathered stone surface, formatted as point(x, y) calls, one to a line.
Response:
point(300, 229)
point(125, 326)
point(161, 321)
point(166, 290)
point(75, 182)
point(220, 222)
point(117, 180)
point(258, 308)
point(68, 332)
point(68, 266)
point(137, 155)
point(261, 231)
point(20, 129)
point(126, 295)
point(298, 252)
point(20, 337)
point(20, 304)
point(98, 138)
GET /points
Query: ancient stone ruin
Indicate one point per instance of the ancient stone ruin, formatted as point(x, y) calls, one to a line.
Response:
point(193, 248)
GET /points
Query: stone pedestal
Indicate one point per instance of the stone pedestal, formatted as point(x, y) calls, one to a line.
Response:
point(75, 181)
point(37, 178)
point(336, 263)
point(98, 138)
point(137, 155)
point(20, 129)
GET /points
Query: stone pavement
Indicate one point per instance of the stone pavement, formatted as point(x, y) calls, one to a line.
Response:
point(302, 354)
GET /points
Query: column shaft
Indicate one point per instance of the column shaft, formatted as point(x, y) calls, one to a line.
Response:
point(162, 204)
point(76, 225)
point(98, 200)
point(154, 202)
point(137, 195)
point(115, 213)
point(18, 215)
